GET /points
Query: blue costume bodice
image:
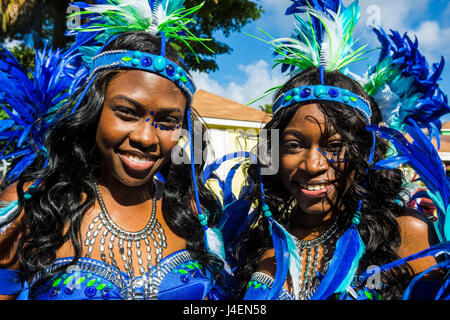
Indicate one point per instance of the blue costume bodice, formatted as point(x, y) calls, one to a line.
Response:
point(181, 278)
point(260, 284)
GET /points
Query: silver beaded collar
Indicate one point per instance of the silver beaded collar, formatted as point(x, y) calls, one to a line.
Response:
point(152, 230)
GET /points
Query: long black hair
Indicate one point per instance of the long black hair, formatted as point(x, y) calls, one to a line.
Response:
point(380, 189)
point(73, 169)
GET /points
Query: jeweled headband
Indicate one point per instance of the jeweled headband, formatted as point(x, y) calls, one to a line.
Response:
point(147, 62)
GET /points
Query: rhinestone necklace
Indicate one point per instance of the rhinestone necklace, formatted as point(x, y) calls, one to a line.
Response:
point(310, 282)
point(152, 230)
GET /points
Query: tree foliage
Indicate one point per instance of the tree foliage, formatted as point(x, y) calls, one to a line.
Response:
point(45, 20)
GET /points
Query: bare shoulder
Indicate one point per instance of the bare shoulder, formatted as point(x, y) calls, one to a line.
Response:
point(267, 263)
point(11, 233)
point(417, 234)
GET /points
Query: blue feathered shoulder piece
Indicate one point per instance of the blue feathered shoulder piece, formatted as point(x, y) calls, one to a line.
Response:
point(422, 156)
point(404, 86)
point(26, 96)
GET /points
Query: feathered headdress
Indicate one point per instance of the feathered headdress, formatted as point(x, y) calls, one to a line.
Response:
point(404, 86)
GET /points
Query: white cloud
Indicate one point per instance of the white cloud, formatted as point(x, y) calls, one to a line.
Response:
point(432, 40)
point(259, 78)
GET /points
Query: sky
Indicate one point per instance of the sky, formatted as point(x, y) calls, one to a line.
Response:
point(247, 72)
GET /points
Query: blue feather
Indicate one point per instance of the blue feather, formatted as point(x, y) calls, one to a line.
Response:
point(416, 85)
point(282, 259)
point(422, 156)
point(343, 266)
point(25, 100)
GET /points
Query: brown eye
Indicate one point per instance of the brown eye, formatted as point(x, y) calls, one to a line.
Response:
point(125, 113)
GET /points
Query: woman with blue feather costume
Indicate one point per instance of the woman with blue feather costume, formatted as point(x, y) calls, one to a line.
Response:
point(328, 215)
point(106, 213)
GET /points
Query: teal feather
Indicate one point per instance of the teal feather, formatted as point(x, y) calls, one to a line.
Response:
point(214, 244)
point(294, 261)
point(7, 213)
point(343, 266)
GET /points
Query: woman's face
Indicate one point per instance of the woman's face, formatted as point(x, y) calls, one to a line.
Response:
point(310, 154)
point(139, 125)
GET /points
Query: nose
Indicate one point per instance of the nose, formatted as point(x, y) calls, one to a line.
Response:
point(144, 136)
point(314, 162)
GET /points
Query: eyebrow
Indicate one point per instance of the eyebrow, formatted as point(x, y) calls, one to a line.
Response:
point(300, 135)
point(140, 105)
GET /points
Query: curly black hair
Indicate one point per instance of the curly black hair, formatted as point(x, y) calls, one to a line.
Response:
point(73, 169)
point(380, 189)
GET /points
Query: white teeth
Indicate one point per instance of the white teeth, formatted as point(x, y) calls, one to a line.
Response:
point(137, 159)
point(314, 187)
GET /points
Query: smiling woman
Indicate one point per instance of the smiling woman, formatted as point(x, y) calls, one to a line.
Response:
point(94, 221)
point(324, 158)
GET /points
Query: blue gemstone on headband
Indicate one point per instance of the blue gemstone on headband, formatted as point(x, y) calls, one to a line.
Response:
point(305, 93)
point(170, 70)
point(333, 93)
point(90, 292)
point(177, 76)
point(297, 98)
point(137, 54)
point(296, 91)
point(159, 63)
point(179, 70)
point(135, 62)
point(146, 62)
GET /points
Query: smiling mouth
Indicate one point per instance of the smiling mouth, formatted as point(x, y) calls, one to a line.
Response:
point(135, 162)
point(315, 190)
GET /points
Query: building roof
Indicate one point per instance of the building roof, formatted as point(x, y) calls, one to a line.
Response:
point(209, 105)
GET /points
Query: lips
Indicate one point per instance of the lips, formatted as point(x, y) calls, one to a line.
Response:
point(136, 162)
point(315, 190)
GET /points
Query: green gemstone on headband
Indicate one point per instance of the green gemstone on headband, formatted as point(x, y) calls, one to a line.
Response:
point(91, 283)
point(183, 78)
point(126, 59)
point(288, 98)
point(80, 281)
point(159, 64)
point(353, 99)
point(56, 282)
point(101, 286)
point(68, 280)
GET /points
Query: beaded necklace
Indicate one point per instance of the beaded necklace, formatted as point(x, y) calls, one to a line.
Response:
point(310, 282)
point(152, 230)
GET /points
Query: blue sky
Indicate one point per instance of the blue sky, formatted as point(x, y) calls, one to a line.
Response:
point(247, 72)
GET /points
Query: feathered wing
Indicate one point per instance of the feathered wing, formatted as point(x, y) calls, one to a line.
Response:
point(26, 100)
point(422, 156)
point(404, 86)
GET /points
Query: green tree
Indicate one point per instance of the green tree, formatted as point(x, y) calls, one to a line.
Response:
point(46, 20)
point(266, 108)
